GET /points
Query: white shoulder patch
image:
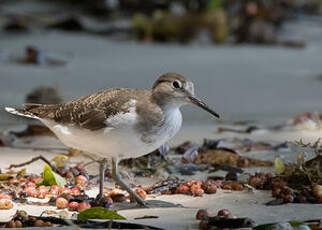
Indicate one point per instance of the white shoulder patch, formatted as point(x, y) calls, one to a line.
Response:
point(62, 129)
point(120, 119)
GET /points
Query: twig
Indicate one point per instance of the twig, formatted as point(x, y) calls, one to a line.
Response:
point(309, 144)
point(146, 217)
point(42, 149)
point(31, 161)
point(249, 129)
point(316, 146)
point(89, 163)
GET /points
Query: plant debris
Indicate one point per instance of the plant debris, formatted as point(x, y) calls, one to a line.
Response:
point(44, 95)
point(223, 219)
point(34, 56)
point(164, 187)
point(146, 217)
point(296, 183)
point(32, 130)
point(68, 24)
point(193, 187)
point(31, 161)
point(307, 121)
point(22, 219)
point(52, 178)
point(249, 129)
point(99, 213)
point(214, 152)
point(222, 156)
point(16, 25)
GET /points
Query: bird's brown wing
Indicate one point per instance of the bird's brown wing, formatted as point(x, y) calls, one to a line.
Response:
point(88, 112)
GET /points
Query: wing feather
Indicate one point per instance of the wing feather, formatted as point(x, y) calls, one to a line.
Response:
point(92, 112)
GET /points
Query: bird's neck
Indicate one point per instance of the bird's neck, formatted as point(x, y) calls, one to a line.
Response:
point(170, 108)
point(165, 102)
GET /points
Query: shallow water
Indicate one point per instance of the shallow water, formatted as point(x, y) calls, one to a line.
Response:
point(240, 82)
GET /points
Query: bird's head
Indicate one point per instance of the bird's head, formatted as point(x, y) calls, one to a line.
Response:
point(174, 90)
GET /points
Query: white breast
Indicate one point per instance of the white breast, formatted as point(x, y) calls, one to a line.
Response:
point(158, 135)
point(172, 124)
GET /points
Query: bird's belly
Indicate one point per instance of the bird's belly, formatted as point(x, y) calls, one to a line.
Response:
point(120, 143)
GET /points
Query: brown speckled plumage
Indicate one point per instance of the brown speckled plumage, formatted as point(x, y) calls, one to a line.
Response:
point(91, 112)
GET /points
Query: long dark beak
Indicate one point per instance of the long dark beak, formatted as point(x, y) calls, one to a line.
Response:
point(202, 105)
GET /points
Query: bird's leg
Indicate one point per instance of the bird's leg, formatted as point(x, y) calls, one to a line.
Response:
point(102, 178)
point(117, 178)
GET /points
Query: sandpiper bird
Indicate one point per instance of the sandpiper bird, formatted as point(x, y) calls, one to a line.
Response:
point(119, 123)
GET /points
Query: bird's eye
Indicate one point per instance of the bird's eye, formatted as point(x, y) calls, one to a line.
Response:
point(176, 84)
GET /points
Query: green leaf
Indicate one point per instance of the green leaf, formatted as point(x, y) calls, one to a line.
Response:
point(52, 178)
point(99, 213)
point(296, 223)
point(279, 165)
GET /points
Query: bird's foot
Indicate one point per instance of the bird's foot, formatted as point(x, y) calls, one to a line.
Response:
point(164, 149)
point(102, 201)
point(136, 198)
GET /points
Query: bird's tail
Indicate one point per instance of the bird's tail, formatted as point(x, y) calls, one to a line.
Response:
point(20, 112)
point(35, 111)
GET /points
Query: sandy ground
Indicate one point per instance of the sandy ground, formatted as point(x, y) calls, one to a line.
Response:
point(242, 204)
